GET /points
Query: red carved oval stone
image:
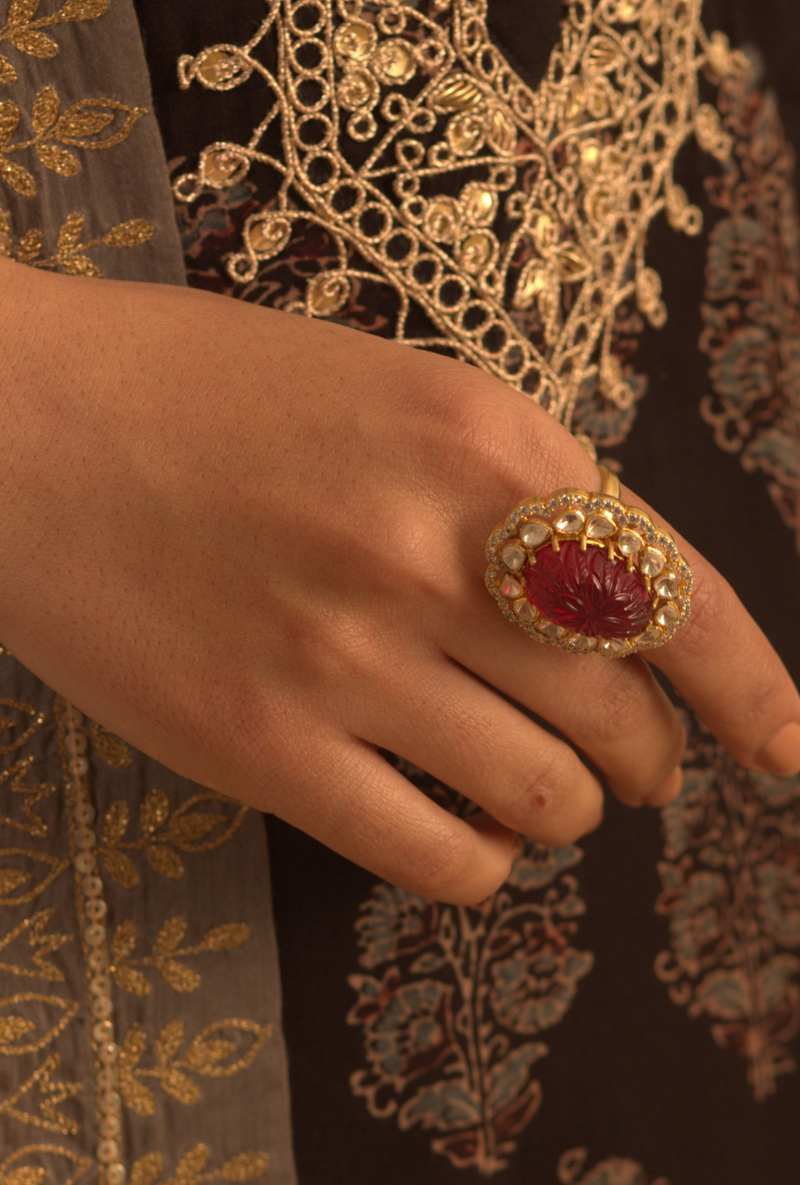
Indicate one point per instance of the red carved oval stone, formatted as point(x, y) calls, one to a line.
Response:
point(587, 592)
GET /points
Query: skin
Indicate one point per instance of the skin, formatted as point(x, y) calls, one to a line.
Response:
point(251, 544)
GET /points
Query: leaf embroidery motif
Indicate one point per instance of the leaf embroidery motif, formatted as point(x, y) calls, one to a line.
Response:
point(79, 126)
point(192, 1168)
point(730, 892)
point(167, 953)
point(23, 29)
point(212, 1054)
point(164, 833)
point(459, 997)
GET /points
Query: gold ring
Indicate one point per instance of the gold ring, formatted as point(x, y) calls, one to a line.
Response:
point(588, 573)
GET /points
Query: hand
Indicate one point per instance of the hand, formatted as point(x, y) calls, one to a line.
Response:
point(252, 545)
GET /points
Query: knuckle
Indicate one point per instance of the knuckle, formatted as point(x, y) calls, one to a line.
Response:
point(543, 792)
point(561, 802)
point(438, 868)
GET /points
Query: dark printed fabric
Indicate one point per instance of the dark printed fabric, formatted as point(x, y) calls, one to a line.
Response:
point(624, 1011)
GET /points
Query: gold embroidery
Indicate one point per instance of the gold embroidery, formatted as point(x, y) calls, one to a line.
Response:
point(186, 829)
point(19, 1035)
point(70, 254)
point(49, 1118)
point(192, 1168)
point(79, 126)
point(207, 1055)
point(33, 825)
point(37, 1174)
point(514, 220)
point(40, 943)
point(111, 748)
point(22, 28)
point(13, 878)
point(167, 950)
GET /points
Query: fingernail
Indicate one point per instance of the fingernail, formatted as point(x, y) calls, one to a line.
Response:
point(669, 789)
point(782, 755)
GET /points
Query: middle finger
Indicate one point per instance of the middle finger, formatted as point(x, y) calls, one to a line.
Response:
point(614, 712)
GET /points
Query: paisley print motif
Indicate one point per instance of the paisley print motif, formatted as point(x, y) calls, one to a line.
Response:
point(731, 892)
point(453, 1001)
point(752, 307)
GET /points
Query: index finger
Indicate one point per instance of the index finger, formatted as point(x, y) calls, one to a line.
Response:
point(727, 671)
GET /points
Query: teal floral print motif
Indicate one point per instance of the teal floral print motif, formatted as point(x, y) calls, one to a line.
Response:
point(452, 1002)
point(616, 1170)
point(731, 892)
point(751, 310)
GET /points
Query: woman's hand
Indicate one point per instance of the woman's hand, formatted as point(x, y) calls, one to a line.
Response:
point(229, 535)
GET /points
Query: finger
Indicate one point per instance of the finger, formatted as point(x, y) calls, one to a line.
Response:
point(350, 799)
point(467, 736)
point(727, 671)
point(615, 713)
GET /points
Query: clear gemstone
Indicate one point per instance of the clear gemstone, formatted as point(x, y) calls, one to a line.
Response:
point(629, 542)
point(524, 609)
point(582, 642)
point(551, 630)
point(513, 557)
point(510, 587)
point(667, 587)
point(600, 527)
point(613, 646)
point(570, 523)
point(532, 534)
point(652, 562)
point(651, 635)
point(667, 614)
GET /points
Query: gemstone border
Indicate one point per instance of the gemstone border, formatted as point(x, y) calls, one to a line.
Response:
point(552, 508)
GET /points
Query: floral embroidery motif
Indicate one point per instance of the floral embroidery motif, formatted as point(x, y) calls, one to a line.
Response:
point(503, 223)
point(454, 1000)
point(731, 878)
point(752, 307)
point(614, 1171)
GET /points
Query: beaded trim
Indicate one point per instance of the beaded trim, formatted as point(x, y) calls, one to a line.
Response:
point(92, 913)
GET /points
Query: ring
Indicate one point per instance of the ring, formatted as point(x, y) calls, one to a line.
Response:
point(587, 573)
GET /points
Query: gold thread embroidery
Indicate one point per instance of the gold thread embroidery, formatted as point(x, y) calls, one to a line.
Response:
point(162, 831)
point(37, 1174)
point(40, 943)
point(192, 1168)
point(167, 950)
point(79, 126)
point(49, 1118)
point(23, 29)
point(70, 254)
point(18, 1034)
point(525, 271)
point(205, 1056)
